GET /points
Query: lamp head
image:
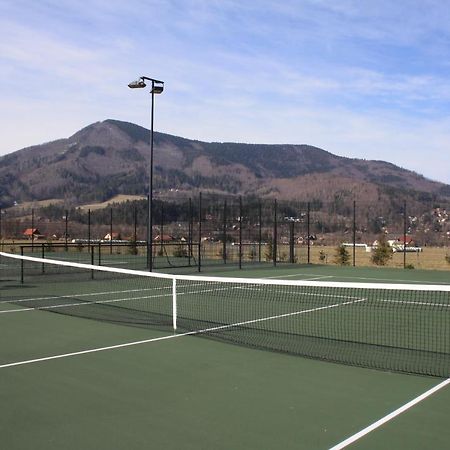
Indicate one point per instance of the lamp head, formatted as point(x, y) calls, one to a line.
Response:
point(157, 87)
point(137, 84)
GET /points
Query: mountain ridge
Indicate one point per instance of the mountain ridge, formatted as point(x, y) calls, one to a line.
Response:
point(112, 157)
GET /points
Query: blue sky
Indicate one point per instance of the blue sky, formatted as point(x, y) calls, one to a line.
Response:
point(363, 79)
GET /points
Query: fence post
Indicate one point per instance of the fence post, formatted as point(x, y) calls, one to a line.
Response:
point(291, 242)
point(89, 228)
point(405, 231)
point(224, 243)
point(259, 231)
point(135, 224)
point(308, 218)
point(275, 233)
point(354, 233)
point(110, 230)
point(32, 230)
point(161, 236)
point(43, 256)
point(240, 232)
point(92, 260)
point(190, 226)
point(66, 230)
point(147, 238)
point(21, 265)
point(199, 256)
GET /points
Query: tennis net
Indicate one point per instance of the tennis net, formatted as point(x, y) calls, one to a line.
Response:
point(397, 327)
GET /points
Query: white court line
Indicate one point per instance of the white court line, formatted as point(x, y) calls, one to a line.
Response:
point(99, 302)
point(89, 294)
point(315, 277)
point(172, 336)
point(391, 280)
point(390, 416)
point(409, 302)
point(318, 277)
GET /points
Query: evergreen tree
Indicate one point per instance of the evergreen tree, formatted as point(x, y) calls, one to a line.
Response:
point(382, 253)
point(342, 256)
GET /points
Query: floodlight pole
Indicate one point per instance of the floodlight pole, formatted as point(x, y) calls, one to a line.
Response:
point(157, 88)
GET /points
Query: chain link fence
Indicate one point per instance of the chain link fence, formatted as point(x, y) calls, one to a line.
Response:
point(228, 230)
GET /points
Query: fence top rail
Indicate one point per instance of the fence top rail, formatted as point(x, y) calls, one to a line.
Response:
point(253, 281)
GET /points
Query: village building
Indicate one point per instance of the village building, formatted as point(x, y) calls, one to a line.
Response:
point(32, 233)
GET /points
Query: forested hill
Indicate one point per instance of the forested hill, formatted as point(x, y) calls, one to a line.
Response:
point(112, 157)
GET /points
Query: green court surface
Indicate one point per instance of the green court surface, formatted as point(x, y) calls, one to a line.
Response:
point(172, 391)
point(325, 273)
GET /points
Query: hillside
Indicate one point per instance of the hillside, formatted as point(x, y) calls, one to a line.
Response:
point(111, 157)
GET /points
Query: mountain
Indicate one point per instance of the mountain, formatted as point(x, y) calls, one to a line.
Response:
point(112, 157)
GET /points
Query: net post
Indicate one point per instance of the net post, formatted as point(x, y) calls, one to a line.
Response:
point(99, 258)
point(174, 304)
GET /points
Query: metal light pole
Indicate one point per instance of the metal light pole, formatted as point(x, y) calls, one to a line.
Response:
point(157, 88)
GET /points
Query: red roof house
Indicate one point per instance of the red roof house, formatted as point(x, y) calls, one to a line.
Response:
point(32, 232)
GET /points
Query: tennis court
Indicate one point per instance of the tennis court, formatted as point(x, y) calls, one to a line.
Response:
point(128, 380)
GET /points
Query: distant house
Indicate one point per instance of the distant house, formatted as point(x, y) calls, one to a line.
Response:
point(112, 237)
point(405, 244)
point(398, 241)
point(408, 240)
point(32, 233)
point(400, 244)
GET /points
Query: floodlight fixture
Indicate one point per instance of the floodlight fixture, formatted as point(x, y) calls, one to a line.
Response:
point(137, 84)
point(157, 88)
